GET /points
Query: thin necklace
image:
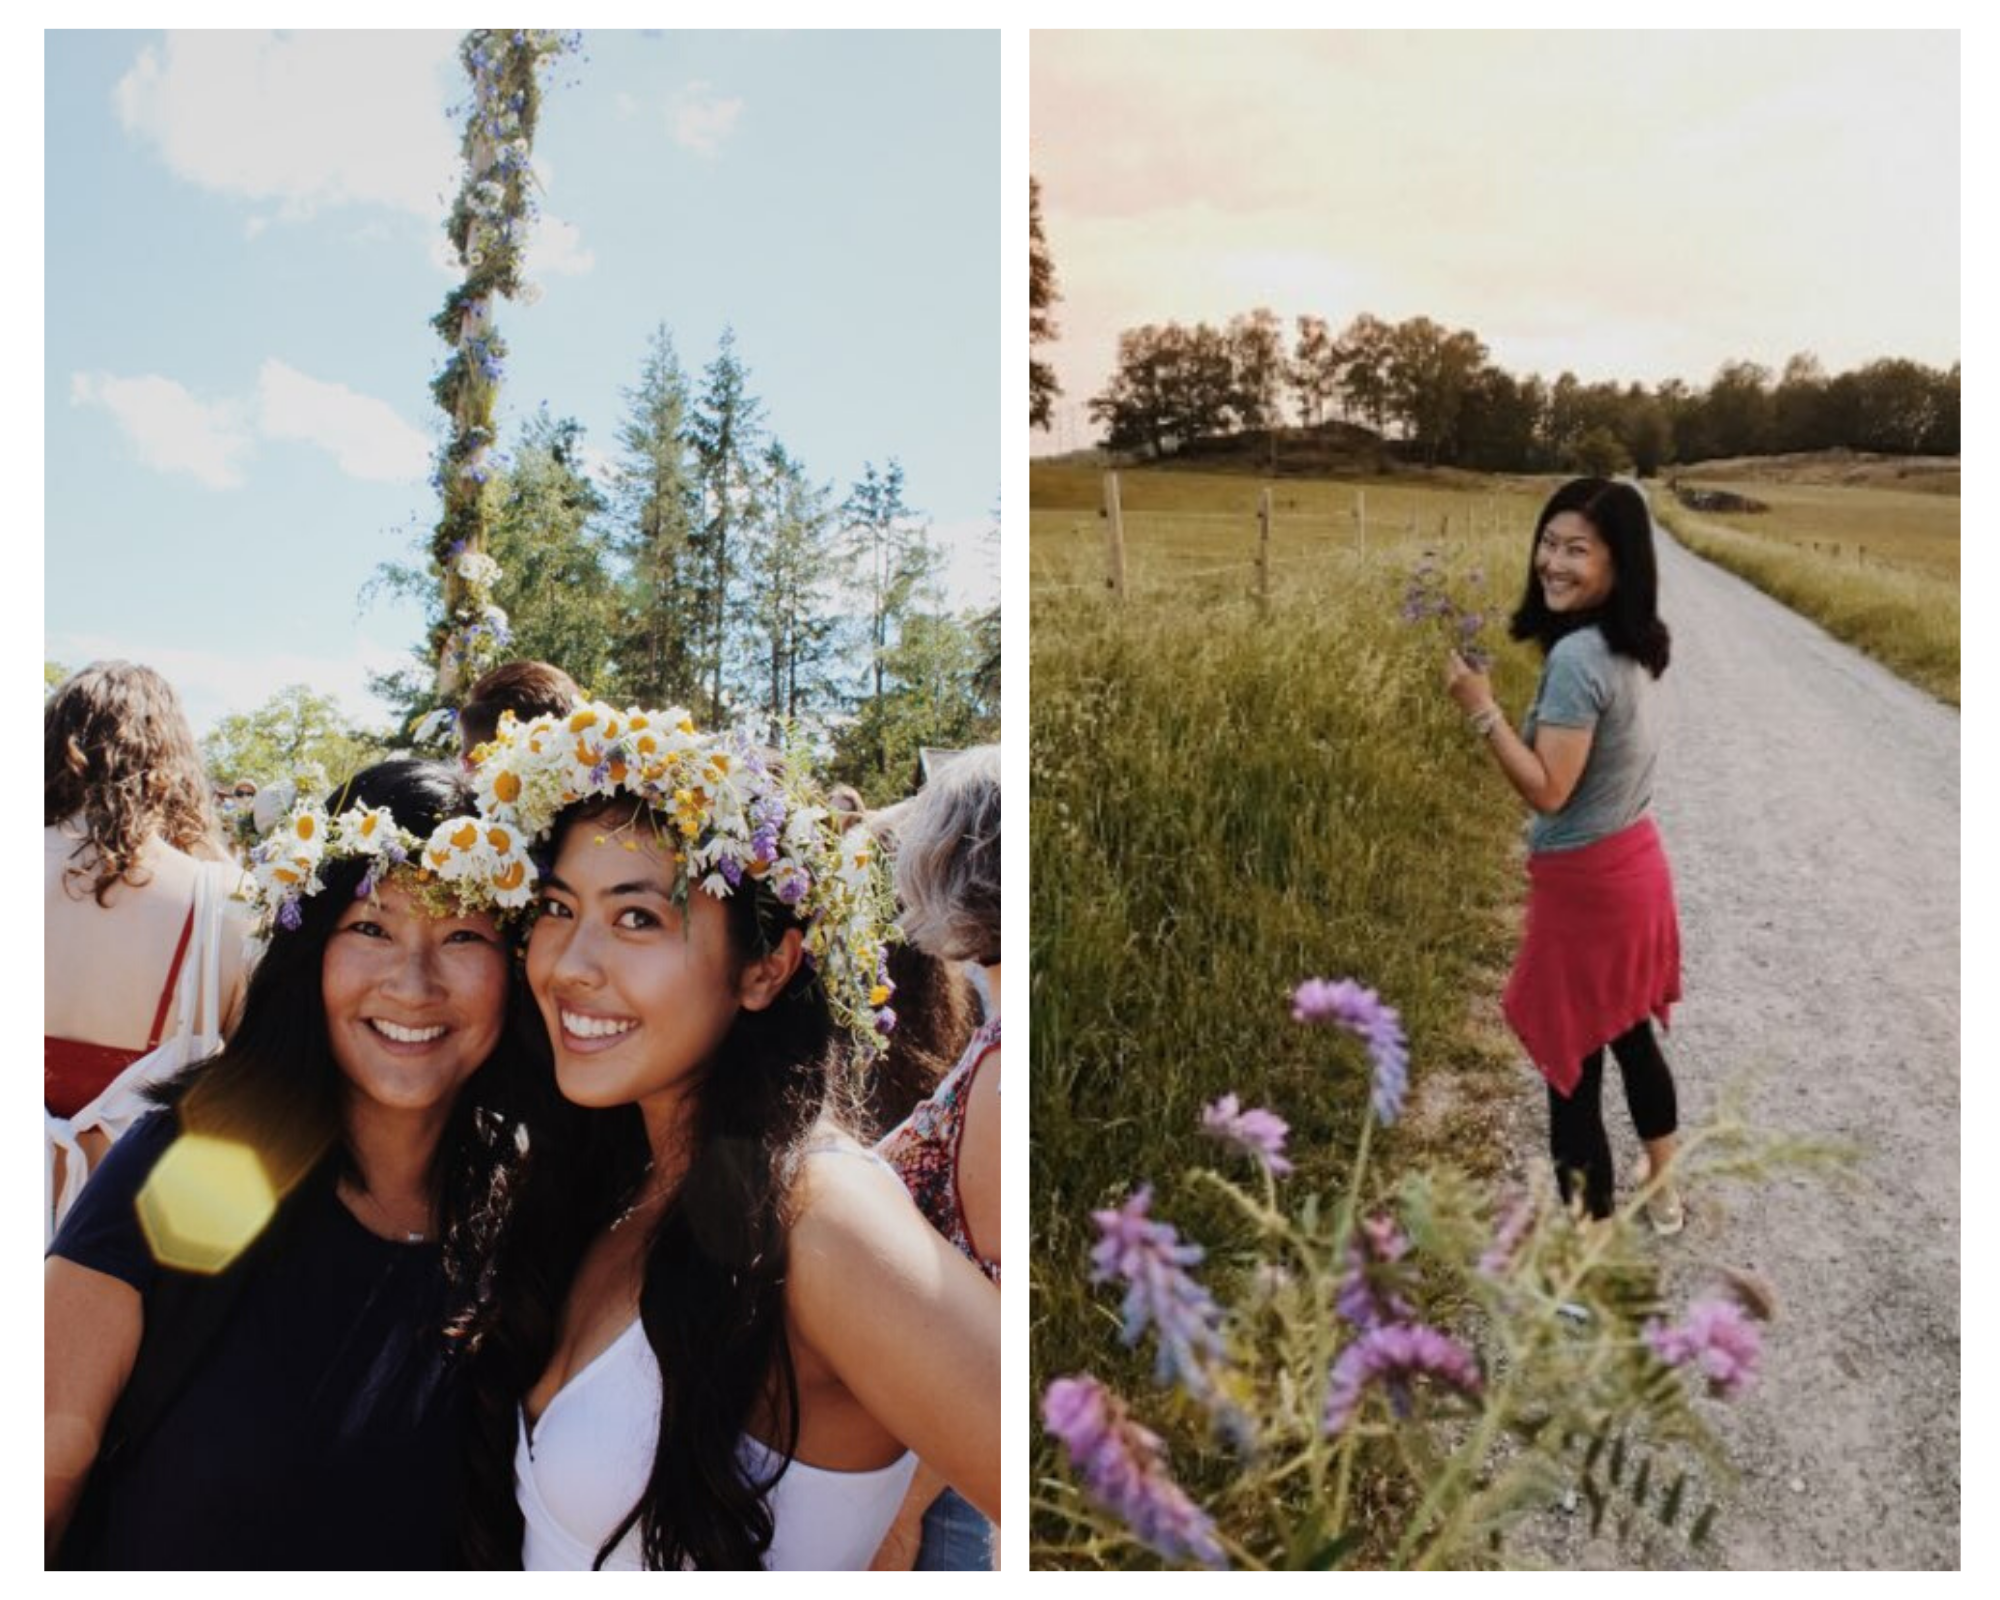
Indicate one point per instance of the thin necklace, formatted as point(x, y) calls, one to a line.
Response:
point(641, 1204)
point(410, 1235)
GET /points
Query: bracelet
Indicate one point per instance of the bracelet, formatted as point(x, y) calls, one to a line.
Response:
point(1484, 722)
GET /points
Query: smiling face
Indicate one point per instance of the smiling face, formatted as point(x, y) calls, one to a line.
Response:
point(414, 1003)
point(636, 995)
point(1573, 564)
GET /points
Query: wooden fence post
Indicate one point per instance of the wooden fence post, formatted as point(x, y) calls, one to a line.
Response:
point(1264, 546)
point(1114, 578)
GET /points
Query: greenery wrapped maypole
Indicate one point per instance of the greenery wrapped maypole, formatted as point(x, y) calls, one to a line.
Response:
point(489, 227)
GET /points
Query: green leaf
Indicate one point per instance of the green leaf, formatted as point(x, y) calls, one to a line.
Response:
point(1698, 1534)
point(1670, 1503)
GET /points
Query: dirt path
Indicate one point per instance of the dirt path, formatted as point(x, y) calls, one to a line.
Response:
point(1810, 805)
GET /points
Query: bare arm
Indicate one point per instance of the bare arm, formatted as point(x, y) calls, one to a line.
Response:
point(979, 1159)
point(91, 1324)
point(1545, 773)
point(906, 1323)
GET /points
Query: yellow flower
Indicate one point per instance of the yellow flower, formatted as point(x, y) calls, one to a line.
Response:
point(465, 837)
point(507, 787)
point(879, 995)
point(305, 825)
point(581, 718)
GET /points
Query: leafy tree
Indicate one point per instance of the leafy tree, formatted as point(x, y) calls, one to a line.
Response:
point(1598, 454)
point(1429, 370)
point(1362, 358)
point(1257, 363)
point(53, 673)
point(294, 728)
point(1042, 294)
point(895, 560)
point(654, 502)
point(789, 566)
point(933, 669)
point(1313, 373)
point(726, 431)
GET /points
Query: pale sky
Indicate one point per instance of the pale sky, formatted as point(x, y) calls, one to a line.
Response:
point(244, 251)
point(1626, 206)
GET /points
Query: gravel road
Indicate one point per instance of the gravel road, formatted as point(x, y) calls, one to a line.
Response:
point(1810, 805)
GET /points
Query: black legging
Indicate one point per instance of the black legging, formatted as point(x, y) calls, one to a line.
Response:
point(1576, 1122)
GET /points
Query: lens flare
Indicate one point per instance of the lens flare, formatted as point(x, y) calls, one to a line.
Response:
point(206, 1199)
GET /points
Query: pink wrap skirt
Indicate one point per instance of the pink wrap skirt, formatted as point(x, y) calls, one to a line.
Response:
point(1602, 950)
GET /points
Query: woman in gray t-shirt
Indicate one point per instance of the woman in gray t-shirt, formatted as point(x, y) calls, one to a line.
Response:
point(1601, 953)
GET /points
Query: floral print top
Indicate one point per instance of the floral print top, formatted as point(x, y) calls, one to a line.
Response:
point(923, 1148)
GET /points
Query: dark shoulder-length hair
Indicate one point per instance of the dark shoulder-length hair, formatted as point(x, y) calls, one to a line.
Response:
point(119, 761)
point(1629, 618)
point(712, 1300)
point(276, 1086)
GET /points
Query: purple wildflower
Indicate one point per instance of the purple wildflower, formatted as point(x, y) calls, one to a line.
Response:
point(1260, 1134)
point(1151, 1260)
point(1360, 1011)
point(365, 887)
point(289, 916)
point(731, 870)
point(1507, 1236)
point(792, 888)
point(1394, 1354)
point(1124, 1470)
point(885, 1021)
point(1717, 1337)
point(1360, 1297)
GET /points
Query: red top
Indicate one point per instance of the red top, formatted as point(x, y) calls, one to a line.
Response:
point(923, 1148)
point(75, 1073)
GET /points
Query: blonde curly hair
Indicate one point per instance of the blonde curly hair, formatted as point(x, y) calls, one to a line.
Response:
point(119, 758)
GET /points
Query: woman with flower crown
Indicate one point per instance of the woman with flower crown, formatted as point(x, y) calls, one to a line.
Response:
point(720, 1333)
point(246, 1312)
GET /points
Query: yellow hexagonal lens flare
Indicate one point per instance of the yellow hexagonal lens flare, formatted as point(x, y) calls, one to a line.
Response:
point(206, 1199)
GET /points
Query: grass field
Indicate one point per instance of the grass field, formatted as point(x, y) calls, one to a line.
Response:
point(1227, 799)
point(1876, 567)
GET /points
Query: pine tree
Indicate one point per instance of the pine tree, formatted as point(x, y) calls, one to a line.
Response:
point(788, 572)
point(726, 432)
point(655, 498)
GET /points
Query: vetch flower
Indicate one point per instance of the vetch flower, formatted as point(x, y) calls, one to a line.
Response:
point(1152, 1261)
point(1360, 1296)
point(1507, 1236)
point(1395, 1354)
point(1123, 1468)
point(1260, 1134)
point(1345, 1004)
point(1715, 1336)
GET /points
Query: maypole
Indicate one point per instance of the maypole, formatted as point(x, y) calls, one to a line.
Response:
point(489, 227)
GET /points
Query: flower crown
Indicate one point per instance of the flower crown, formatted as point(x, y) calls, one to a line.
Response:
point(729, 812)
point(466, 865)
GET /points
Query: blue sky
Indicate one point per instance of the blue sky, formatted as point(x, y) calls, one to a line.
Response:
point(243, 251)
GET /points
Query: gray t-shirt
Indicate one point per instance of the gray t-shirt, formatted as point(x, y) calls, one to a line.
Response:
point(1585, 686)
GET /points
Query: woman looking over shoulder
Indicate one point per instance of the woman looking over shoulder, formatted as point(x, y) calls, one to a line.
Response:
point(246, 1357)
point(1601, 953)
point(758, 1332)
point(141, 942)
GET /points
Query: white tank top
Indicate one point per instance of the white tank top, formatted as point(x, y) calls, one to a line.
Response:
point(592, 1453)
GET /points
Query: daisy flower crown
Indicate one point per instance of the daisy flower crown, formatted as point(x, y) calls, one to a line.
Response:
point(466, 865)
point(728, 812)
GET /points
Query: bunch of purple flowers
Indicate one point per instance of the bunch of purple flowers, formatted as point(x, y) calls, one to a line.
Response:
point(1428, 598)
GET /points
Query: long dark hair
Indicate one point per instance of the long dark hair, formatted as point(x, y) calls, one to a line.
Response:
point(712, 1300)
point(1629, 618)
point(276, 1086)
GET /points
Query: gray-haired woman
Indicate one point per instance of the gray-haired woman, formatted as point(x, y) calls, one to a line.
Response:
point(947, 1150)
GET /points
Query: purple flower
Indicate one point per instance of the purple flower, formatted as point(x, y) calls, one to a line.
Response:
point(1150, 1259)
point(365, 887)
point(1507, 1236)
point(1360, 1011)
point(731, 870)
point(1715, 1336)
point(289, 916)
point(1360, 1298)
point(885, 1021)
point(1260, 1134)
point(1395, 1354)
point(792, 888)
point(1124, 1470)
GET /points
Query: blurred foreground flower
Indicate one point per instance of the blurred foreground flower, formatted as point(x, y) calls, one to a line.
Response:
point(1150, 1259)
point(1124, 1470)
point(1717, 1338)
point(1394, 1355)
point(1260, 1134)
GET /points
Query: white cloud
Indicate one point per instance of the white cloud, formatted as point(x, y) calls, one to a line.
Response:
point(556, 249)
point(363, 434)
point(702, 119)
point(303, 119)
point(214, 682)
point(253, 226)
point(626, 105)
point(174, 431)
point(597, 466)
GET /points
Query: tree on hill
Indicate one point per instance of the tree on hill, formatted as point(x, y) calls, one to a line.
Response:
point(1042, 296)
point(295, 728)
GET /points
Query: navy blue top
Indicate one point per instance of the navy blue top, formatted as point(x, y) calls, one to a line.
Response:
point(321, 1431)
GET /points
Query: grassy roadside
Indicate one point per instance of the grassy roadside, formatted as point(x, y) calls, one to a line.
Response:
point(1905, 617)
point(1226, 801)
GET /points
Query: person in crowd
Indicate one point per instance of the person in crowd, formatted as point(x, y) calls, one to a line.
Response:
point(246, 1362)
point(1601, 954)
point(722, 1335)
point(142, 948)
point(947, 1150)
point(529, 689)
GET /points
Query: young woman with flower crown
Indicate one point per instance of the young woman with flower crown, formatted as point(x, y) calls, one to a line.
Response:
point(721, 1333)
point(246, 1311)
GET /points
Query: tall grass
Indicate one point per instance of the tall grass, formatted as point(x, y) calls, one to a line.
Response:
point(1904, 616)
point(1227, 799)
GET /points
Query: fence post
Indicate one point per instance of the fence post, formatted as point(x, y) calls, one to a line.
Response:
point(1114, 578)
point(1264, 546)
